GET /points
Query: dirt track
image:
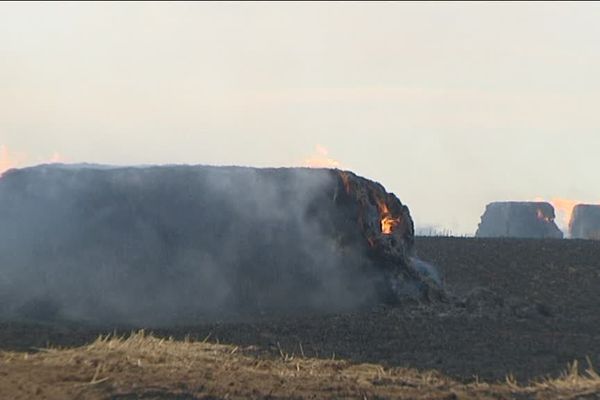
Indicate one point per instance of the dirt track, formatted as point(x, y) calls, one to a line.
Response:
point(544, 314)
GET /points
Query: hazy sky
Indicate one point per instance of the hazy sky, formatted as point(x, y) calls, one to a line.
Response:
point(449, 105)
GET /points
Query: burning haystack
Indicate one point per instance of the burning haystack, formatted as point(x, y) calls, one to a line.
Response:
point(519, 219)
point(585, 222)
point(158, 244)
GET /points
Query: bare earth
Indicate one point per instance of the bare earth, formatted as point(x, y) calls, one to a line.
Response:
point(538, 315)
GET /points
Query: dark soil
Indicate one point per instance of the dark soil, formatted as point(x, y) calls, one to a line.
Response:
point(526, 307)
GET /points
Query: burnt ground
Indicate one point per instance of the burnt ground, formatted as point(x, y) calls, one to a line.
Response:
point(532, 307)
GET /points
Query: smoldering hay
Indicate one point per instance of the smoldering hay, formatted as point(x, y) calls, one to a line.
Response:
point(519, 219)
point(161, 244)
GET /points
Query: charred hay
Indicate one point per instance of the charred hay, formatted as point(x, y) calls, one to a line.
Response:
point(519, 219)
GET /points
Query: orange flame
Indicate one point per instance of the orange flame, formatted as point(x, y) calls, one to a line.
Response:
point(56, 158)
point(564, 207)
point(321, 159)
point(10, 159)
point(7, 160)
point(388, 223)
point(541, 216)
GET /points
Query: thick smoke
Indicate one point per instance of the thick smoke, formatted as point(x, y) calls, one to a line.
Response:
point(155, 245)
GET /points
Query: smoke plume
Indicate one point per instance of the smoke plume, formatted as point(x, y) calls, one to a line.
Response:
point(155, 245)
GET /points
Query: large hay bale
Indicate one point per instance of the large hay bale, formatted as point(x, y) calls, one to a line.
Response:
point(518, 219)
point(585, 222)
point(154, 244)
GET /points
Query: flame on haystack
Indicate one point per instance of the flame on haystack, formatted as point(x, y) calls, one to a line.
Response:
point(542, 216)
point(388, 222)
point(321, 159)
point(9, 159)
point(562, 207)
point(56, 158)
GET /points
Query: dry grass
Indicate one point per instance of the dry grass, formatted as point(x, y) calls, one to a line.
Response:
point(571, 381)
point(143, 366)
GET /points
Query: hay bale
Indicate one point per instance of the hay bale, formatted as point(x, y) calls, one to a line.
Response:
point(153, 244)
point(519, 219)
point(585, 222)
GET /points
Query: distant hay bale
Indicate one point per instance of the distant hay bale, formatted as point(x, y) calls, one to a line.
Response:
point(585, 222)
point(519, 219)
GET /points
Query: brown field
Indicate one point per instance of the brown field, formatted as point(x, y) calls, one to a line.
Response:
point(536, 334)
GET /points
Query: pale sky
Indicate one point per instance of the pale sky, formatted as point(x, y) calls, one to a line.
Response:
point(448, 105)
